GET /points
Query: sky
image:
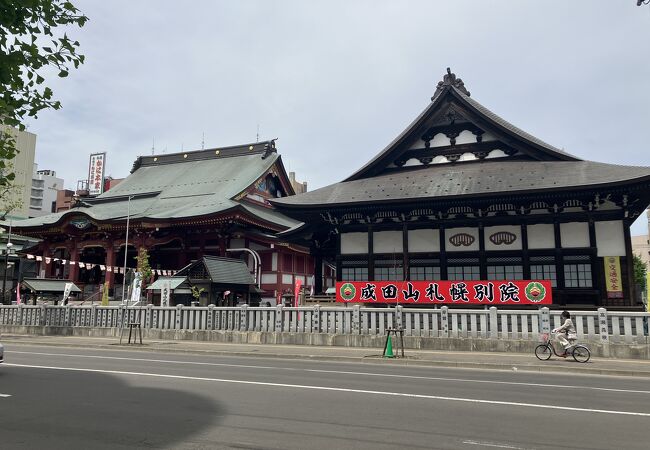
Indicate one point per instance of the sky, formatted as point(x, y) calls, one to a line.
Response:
point(336, 81)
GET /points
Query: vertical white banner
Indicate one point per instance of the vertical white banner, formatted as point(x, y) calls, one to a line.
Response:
point(135, 289)
point(96, 170)
point(66, 292)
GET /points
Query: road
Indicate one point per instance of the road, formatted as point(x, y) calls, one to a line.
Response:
point(75, 398)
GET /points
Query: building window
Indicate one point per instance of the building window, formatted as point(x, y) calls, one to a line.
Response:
point(389, 274)
point(577, 275)
point(354, 274)
point(544, 272)
point(464, 273)
point(505, 272)
point(425, 273)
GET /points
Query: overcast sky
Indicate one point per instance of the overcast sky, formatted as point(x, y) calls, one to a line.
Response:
point(336, 81)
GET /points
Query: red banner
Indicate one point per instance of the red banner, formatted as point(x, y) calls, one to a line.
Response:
point(519, 292)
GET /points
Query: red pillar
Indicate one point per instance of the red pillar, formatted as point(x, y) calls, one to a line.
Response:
point(73, 275)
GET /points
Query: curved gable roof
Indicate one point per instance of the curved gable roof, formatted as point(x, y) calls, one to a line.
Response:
point(452, 89)
point(180, 185)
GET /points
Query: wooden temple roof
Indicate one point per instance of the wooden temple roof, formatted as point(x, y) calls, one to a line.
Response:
point(469, 179)
point(186, 185)
point(442, 172)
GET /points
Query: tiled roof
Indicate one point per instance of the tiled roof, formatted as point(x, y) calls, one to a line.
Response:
point(181, 185)
point(470, 179)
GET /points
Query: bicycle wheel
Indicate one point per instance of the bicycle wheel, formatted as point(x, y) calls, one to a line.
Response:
point(581, 354)
point(543, 352)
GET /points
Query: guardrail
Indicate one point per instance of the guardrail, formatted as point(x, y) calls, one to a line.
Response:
point(492, 323)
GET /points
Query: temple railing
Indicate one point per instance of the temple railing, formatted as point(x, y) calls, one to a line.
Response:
point(493, 323)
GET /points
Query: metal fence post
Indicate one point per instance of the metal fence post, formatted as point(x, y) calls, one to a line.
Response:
point(278, 319)
point(444, 321)
point(603, 330)
point(494, 323)
point(243, 318)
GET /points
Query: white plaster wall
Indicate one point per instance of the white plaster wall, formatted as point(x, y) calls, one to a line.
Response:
point(424, 240)
point(287, 278)
point(274, 262)
point(440, 140)
point(574, 234)
point(354, 243)
point(453, 231)
point(489, 231)
point(412, 162)
point(467, 157)
point(488, 137)
point(269, 278)
point(439, 160)
point(610, 238)
point(540, 236)
point(387, 242)
point(466, 137)
point(496, 154)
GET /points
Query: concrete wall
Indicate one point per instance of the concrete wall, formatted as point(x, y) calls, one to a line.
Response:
point(626, 351)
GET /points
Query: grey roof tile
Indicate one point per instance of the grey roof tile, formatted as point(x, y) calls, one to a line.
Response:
point(438, 181)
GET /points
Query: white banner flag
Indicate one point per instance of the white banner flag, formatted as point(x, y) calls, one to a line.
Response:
point(136, 287)
point(66, 292)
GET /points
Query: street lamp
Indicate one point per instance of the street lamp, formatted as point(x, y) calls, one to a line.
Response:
point(126, 244)
point(4, 278)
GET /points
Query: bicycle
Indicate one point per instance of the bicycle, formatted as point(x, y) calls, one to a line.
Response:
point(544, 351)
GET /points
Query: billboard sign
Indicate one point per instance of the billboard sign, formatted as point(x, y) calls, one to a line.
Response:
point(505, 292)
point(96, 169)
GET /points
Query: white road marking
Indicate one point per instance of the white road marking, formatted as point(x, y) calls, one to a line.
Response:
point(336, 389)
point(490, 444)
point(342, 372)
point(5, 395)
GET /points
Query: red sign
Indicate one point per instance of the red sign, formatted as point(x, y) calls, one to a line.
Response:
point(519, 292)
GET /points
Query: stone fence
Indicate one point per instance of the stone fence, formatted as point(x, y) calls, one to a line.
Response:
point(600, 326)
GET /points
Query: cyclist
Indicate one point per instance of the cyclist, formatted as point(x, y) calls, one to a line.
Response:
point(566, 332)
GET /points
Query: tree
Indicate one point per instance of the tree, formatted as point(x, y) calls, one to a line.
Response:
point(10, 193)
point(640, 271)
point(31, 46)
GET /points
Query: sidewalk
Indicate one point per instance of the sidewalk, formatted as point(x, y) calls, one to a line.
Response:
point(474, 360)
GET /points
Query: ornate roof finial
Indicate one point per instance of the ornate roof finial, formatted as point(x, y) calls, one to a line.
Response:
point(450, 80)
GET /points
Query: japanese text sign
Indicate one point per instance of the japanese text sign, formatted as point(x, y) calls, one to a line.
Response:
point(613, 277)
point(522, 292)
point(96, 173)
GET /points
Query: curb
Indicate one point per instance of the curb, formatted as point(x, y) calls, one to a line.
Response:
point(366, 359)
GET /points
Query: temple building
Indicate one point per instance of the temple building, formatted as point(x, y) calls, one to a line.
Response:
point(462, 194)
point(180, 207)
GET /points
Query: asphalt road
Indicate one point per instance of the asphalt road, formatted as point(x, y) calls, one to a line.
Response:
point(87, 398)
